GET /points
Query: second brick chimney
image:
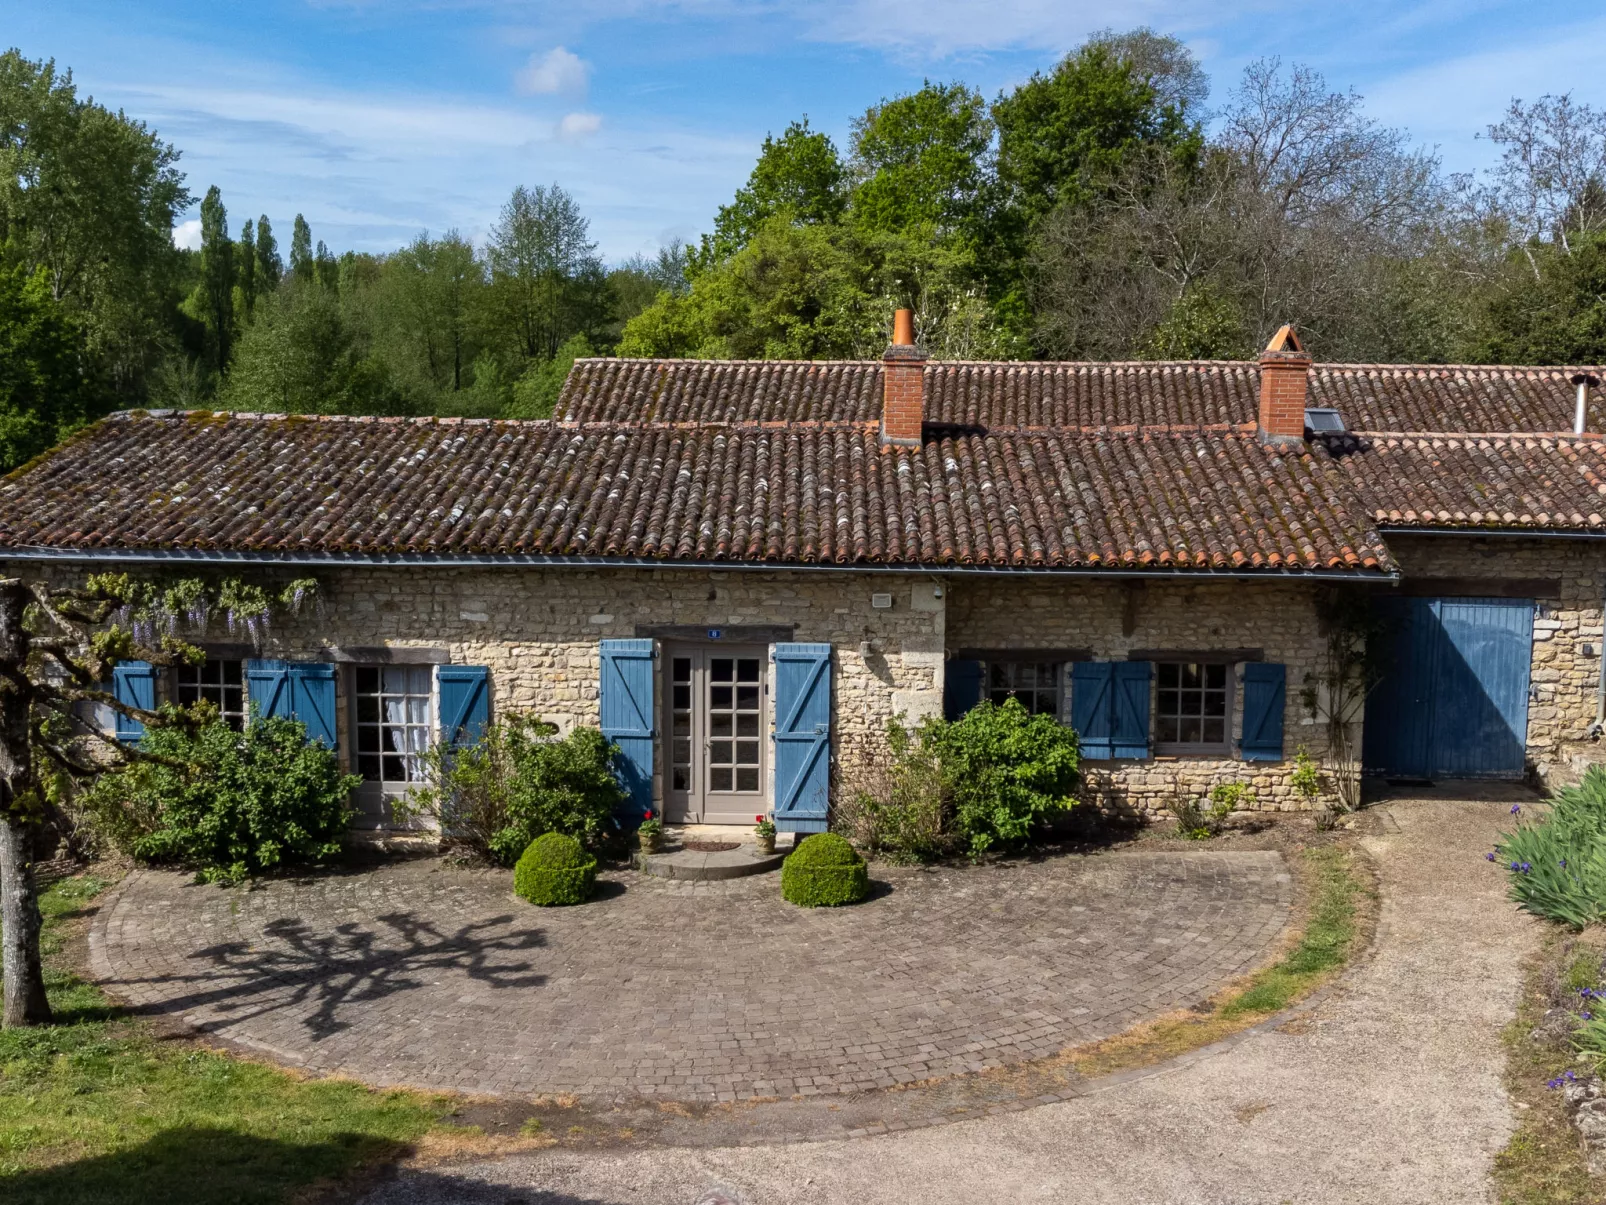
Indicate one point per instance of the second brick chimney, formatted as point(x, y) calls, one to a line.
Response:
point(1284, 377)
point(903, 398)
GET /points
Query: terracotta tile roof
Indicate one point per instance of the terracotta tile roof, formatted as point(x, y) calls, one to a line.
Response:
point(1371, 397)
point(1515, 481)
point(1120, 466)
point(806, 493)
point(1453, 398)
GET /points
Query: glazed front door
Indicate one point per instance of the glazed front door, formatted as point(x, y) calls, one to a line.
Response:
point(718, 756)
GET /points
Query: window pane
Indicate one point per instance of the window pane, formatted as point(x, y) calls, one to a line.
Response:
point(719, 724)
point(1215, 702)
point(1168, 674)
point(1215, 731)
point(367, 709)
point(719, 752)
point(418, 710)
point(747, 698)
point(747, 724)
point(1168, 730)
point(719, 780)
point(747, 753)
point(747, 669)
point(682, 779)
point(1190, 730)
point(368, 767)
point(682, 696)
point(747, 779)
point(367, 739)
point(720, 669)
point(233, 672)
point(367, 680)
point(719, 696)
point(682, 669)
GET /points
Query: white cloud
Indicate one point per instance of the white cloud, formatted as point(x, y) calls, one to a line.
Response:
point(188, 235)
point(576, 126)
point(556, 71)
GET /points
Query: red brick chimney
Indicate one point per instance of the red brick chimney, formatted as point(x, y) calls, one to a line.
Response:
point(1284, 377)
point(903, 372)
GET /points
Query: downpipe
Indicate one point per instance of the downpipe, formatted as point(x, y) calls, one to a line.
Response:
point(1599, 726)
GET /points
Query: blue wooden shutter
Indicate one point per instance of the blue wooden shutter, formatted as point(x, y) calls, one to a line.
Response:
point(627, 718)
point(267, 687)
point(295, 690)
point(133, 685)
point(802, 737)
point(1265, 694)
point(1092, 707)
point(313, 699)
point(1130, 735)
point(465, 702)
point(961, 687)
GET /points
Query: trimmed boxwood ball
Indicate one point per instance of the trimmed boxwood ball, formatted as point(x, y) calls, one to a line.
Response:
point(554, 869)
point(824, 871)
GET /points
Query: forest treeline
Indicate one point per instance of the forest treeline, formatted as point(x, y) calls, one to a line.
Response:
point(1104, 209)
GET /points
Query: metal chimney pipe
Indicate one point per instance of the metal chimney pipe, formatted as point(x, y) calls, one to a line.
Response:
point(1583, 380)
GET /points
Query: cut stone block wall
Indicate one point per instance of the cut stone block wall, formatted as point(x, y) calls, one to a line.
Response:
point(1565, 678)
point(1111, 619)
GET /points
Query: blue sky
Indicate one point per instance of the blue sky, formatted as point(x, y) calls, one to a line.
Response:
point(381, 118)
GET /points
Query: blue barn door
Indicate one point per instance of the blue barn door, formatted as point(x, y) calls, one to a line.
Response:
point(1453, 702)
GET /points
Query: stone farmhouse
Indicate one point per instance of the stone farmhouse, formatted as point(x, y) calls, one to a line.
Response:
point(742, 570)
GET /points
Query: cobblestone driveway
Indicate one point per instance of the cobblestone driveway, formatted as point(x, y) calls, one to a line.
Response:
point(427, 974)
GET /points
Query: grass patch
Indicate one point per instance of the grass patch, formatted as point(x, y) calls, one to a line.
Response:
point(97, 1109)
point(1336, 888)
point(1544, 1162)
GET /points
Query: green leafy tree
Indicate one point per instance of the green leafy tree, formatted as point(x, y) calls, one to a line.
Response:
point(535, 394)
point(42, 394)
point(89, 196)
point(245, 262)
point(270, 268)
point(547, 281)
point(306, 353)
point(436, 291)
point(58, 644)
point(820, 292)
point(213, 302)
point(1058, 133)
point(1554, 312)
point(799, 176)
point(921, 160)
point(302, 267)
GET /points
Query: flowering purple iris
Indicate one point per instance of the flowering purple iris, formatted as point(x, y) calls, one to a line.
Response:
point(1516, 809)
point(1490, 857)
point(1566, 1077)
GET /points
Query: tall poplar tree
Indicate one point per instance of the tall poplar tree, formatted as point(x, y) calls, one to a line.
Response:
point(301, 265)
point(245, 266)
point(217, 280)
point(270, 268)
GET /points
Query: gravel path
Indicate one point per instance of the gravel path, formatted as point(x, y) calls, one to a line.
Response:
point(1387, 1090)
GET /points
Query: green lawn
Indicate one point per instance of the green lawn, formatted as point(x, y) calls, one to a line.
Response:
point(96, 1109)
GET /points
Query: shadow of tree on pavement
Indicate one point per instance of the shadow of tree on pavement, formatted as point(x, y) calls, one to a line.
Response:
point(350, 964)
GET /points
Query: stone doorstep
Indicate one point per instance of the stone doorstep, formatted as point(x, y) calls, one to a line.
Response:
point(694, 865)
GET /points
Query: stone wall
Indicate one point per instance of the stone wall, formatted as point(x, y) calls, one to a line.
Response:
point(1111, 619)
point(537, 629)
point(1565, 678)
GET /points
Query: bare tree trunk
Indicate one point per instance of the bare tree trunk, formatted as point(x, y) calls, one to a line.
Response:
point(25, 1002)
point(24, 987)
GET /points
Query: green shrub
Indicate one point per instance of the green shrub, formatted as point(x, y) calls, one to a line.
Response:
point(227, 804)
point(1557, 864)
point(517, 783)
point(1005, 769)
point(986, 779)
point(895, 807)
point(555, 870)
point(824, 871)
point(1198, 822)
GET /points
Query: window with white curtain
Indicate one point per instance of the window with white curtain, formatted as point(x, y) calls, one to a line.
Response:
point(393, 722)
